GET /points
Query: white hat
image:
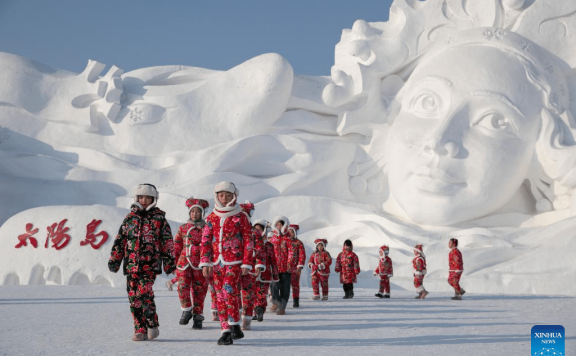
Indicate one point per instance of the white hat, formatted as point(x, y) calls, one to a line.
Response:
point(146, 189)
point(225, 186)
point(264, 224)
point(284, 227)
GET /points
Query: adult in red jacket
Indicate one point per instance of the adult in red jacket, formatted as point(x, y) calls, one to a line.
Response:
point(456, 267)
point(319, 263)
point(191, 281)
point(226, 252)
point(348, 266)
point(144, 243)
point(283, 250)
point(267, 275)
point(296, 261)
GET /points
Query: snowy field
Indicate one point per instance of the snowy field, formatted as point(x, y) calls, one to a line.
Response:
point(94, 320)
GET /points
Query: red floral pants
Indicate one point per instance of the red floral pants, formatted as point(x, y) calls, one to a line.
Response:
point(192, 286)
point(141, 297)
point(248, 284)
point(295, 282)
point(385, 284)
point(454, 281)
point(227, 286)
point(318, 281)
point(261, 295)
point(418, 281)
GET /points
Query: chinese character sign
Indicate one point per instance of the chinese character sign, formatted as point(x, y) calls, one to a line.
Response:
point(91, 238)
point(59, 237)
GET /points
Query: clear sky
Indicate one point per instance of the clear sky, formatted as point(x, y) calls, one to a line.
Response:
point(215, 34)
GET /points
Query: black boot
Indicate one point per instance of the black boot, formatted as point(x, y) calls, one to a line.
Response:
point(185, 318)
point(346, 295)
point(379, 295)
point(225, 339)
point(296, 303)
point(237, 332)
point(198, 319)
point(351, 295)
point(259, 314)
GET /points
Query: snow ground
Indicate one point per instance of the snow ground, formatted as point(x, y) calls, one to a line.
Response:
point(95, 320)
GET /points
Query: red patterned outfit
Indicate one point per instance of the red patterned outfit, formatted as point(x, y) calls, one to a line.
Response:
point(227, 246)
point(319, 263)
point(190, 278)
point(296, 261)
point(348, 266)
point(385, 271)
point(283, 251)
point(456, 267)
point(267, 276)
point(419, 265)
point(144, 243)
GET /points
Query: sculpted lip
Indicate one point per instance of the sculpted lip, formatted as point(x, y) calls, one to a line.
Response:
point(435, 180)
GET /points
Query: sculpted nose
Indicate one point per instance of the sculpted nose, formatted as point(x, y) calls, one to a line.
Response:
point(441, 140)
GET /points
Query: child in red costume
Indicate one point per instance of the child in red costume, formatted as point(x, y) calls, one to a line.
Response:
point(267, 275)
point(348, 266)
point(226, 251)
point(319, 263)
point(283, 251)
point(419, 264)
point(456, 267)
point(297, 260)
point(248, 281)
point(144, 243)
point(385, 271)
point(191, 281)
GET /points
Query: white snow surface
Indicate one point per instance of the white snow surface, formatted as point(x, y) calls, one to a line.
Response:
point(95, 320)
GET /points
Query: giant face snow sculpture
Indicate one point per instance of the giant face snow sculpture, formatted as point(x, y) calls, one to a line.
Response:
point(464, 138)
point(466, 108)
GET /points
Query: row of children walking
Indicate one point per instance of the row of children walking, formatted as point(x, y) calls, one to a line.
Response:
point(226, 254)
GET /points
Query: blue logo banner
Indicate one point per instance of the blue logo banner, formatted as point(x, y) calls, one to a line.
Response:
point(548, 340)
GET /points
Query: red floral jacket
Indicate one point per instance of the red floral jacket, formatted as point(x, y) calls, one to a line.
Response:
point(144, 243)
point(320, 262)
point(187, 245)
point(227, 239)
point(455, 261)
point(419, 264)
point(296, 255)
point(283, 247)
point(347, 265)
point(270, 274)
point(384, 267)
point(257, 260)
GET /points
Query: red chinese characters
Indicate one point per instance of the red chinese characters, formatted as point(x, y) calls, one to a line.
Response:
point(91, 238)
point(57, 234)
point(28, 235)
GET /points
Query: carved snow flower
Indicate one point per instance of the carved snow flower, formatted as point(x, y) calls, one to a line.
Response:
point(493, 34)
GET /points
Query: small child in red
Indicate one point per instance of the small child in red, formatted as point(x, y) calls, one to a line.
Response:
point(319, 263)
point(385, 271)
point(192, 285)
point(419, 264)
point(267, 275)
point(348, 266)
point(456, 267)
point(296, 261)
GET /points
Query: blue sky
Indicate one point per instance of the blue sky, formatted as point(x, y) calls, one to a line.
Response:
point(215, 34)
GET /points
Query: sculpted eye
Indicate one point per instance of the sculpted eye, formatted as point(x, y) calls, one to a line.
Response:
point(497, 123)
point(425, 105)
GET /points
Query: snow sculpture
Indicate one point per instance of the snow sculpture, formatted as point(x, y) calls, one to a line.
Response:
point(463, 102)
